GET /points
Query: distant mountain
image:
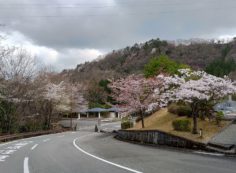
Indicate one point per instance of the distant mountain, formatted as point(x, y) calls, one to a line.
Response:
point(196, 53)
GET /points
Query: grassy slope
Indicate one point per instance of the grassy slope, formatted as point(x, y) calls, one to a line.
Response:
point(162, 120)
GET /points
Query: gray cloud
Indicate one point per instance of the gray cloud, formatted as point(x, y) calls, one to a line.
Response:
point(110, 24)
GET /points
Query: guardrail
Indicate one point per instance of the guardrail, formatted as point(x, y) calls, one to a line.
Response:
point(11, 137)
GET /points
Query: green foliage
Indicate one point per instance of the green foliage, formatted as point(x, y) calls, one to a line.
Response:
point(221, 67)
point(219, 117)
point(180, 109)
point(182, 125)
point(127, 125)
point(104, 84)
point(234, 97)
point(31, 125)
point(98, 94)
point(98, 105)
point(162, 64)
point(8, 119)
point(225, 51)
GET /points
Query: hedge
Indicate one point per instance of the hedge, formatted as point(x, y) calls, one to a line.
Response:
point(182, 125)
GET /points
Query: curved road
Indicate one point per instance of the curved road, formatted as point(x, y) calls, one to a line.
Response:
point(88, 152)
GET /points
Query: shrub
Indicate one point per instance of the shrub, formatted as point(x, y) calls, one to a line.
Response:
point(180, 109)
point(127, 124)
point(219, 117)
point(182, 125)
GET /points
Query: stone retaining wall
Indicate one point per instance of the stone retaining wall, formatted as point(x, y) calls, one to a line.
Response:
point(157, 137)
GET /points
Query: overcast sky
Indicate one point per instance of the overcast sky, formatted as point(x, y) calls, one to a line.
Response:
point(64, 33)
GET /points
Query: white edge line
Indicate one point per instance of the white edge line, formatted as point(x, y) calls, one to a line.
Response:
point(207, 153)
point(103, 160)
point(26, 165)
point(34, 146)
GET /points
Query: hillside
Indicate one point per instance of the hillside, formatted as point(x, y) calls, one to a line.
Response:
point(196, 53)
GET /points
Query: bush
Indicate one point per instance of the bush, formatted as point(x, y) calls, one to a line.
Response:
point(180, 109)
point(219, 117)
point(182, 125)
point(127, 124)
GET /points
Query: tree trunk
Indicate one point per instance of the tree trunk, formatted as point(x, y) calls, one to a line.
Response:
point(194, 124)
point(142, 118)
point(194, 115)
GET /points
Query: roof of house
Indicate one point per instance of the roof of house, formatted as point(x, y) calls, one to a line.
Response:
point(93, 110)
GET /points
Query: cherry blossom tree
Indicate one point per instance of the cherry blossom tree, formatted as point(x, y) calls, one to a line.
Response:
point(195, 87)
point(135, 93)
point(66, 97)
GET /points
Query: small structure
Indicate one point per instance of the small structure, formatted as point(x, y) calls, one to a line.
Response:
point(101, 113)
point(228, 108)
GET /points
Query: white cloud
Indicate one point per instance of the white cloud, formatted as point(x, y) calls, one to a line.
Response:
point(65, 58)
point(69, 58)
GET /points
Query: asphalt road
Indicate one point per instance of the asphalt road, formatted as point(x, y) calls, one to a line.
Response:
point(89, 124)
point(89, 152)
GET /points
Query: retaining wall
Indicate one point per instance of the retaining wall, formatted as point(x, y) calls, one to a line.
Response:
point(157, 137)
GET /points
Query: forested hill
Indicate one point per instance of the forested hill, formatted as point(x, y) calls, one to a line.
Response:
point(199, 54)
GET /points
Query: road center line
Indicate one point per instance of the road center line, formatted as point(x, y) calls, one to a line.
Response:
point(26, 165)
point(34, 146)
point(101, 159)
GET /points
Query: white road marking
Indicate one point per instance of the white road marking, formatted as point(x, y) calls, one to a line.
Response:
point(207, 153)
point(34, 146)
point(26, 165)
point(8, 152)
point(3, 157)
point(73, 132)
point(35, 137)
point(5, 153)
point(46, 140)
point(8, 143)
point(103, 160)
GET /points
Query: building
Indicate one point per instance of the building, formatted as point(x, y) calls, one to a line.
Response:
point(100, 113)
point(228, 107)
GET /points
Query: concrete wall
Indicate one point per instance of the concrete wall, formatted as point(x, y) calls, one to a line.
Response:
point(157, 138)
